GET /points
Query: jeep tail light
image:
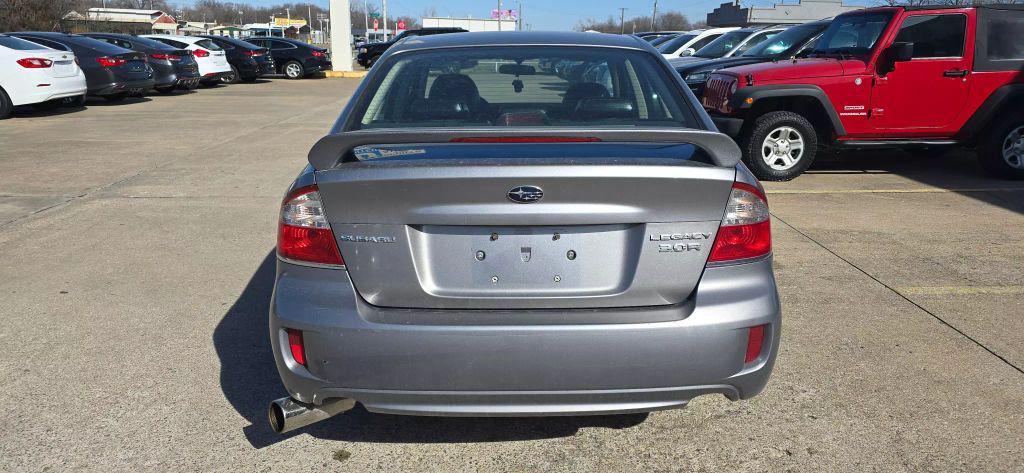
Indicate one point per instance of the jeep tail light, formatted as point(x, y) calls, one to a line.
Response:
point(200, 53)
point(35, 63)
point(755, 342)
point(746, 230)
point(297, 346)
point(303, 232)
point(110, 61)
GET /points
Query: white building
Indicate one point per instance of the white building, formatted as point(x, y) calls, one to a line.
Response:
point(469, 24)
point(802, 11)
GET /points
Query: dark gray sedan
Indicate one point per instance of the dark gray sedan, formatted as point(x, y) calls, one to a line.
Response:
point(476, 237)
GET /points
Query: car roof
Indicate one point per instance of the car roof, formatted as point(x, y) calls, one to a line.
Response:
point(521, 38)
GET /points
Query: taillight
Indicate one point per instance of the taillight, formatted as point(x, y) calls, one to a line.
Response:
point(746, 230)
point(755, 342)
point(200, 53)
point(296, 346)
point(110, 61)
point(318, 54)
point(526, 139)
point(253, 53)
point(165, 57)
point(303, 233)
point(35, 63)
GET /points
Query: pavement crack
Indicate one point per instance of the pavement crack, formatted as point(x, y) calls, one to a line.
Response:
point(902, 296)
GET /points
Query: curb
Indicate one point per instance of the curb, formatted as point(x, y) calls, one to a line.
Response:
point(346, 74)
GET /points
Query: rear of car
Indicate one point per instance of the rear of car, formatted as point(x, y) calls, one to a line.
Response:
point(31, 73)
point(211, 60)
point(111, 72)
point(248, 61)
point(480, 238)
point(172, 67)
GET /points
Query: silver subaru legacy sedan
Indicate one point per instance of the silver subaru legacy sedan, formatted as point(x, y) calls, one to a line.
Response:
point(521, 224)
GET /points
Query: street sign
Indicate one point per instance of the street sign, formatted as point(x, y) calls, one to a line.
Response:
point(374, 14)
point(401, 25)
point(374, 24)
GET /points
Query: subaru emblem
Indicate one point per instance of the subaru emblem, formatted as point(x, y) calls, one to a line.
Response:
point(525, 194)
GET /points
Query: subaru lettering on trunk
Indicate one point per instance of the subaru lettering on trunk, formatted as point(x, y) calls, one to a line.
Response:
point(412, 279)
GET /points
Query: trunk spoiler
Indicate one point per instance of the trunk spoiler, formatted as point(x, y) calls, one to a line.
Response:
point(337, 148)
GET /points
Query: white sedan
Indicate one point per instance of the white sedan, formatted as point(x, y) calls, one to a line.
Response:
point(689, 42)
point(31, 73)
point(212, 60)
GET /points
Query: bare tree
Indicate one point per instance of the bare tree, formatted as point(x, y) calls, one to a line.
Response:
point(671, 20)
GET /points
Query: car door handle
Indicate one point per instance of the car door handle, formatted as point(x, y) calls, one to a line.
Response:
point(955, 73)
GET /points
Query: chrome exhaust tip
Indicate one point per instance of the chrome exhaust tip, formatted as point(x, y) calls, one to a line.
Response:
point(287, 414)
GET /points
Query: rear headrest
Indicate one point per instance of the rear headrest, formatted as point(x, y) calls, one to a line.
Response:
point(454, 86)
point(438, 109)
point(596, 109)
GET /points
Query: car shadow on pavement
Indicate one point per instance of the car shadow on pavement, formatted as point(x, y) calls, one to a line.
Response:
point(28, 111)
point(953, 170)
point(249, 381)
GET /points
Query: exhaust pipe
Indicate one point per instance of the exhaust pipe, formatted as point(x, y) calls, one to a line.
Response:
point(287, 414)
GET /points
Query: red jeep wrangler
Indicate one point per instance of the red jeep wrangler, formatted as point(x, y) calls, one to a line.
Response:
point(918, 78)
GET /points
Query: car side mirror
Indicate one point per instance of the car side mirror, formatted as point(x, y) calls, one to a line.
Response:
point(901, 52)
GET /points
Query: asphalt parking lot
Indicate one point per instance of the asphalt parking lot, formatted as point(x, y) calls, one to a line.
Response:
point(137, 240)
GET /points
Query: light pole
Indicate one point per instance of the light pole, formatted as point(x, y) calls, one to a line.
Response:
point(385, 8)
point(241, 18)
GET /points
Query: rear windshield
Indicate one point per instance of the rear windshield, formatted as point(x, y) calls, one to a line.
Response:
point(785, 41)
point(523, 86)
point(173, 43)
point(674, 44)
point(152, 44)
point(208, 44)
point(19, 44)
point(721, 46)
point(101, 47)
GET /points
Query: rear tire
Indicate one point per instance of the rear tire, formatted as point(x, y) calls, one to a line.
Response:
point(232, 78)
point(779, 146)
point(293, 70)
point(116, 97)
point(1001, 152)
point(6, 107)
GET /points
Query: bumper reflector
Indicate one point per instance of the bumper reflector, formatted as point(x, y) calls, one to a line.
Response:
point(755, 341)
point(298, 349)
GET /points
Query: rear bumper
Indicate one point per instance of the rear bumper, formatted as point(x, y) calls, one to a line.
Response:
point(137, 86)
point(56, 89)
point(213, 77)
point(484, 363)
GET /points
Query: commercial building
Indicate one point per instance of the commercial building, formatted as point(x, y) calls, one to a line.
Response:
point(119, 20)
point(801, 11)
point(469, 24)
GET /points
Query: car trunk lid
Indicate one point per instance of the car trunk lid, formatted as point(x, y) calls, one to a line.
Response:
point(461, 226)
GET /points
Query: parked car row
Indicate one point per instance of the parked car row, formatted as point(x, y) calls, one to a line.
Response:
point(924, 79)
point(49, 69)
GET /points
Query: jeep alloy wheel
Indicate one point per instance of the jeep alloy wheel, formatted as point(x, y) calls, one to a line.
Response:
point(1013, 148)
point(782, 148)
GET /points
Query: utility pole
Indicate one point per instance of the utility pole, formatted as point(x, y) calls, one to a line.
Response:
point(622, 20)
point(499, 15)
point(654, 17)
point(366, 20)
point(385, 3)
point(519, 15)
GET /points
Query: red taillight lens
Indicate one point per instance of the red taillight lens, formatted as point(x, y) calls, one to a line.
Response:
point(200, 53)
point(746, 230)
point(303, 233)
point(35, 62)
point(166, 57)
point(296, 346)
point(253, 53)
point(110, 61)
point(526, 139)
point(318, 54)
point(755, 341)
